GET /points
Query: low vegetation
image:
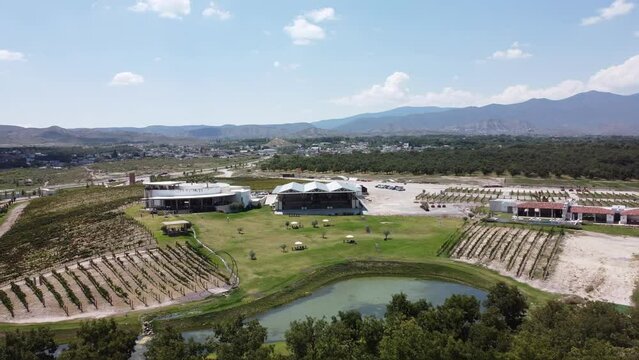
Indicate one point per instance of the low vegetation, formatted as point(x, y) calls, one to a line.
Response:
point(125, 281)
point(72, 225)
point(504, 328)
point(528, 252)
point(609, 158)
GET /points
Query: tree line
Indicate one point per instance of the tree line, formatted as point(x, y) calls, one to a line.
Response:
point(593, 158)
point(460, 328)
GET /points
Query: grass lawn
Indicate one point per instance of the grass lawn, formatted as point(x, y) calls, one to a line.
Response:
point(411, 239)
point(612, 229)
point(277, 277)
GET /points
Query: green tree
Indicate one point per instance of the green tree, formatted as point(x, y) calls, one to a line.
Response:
point(35, 344)
point(236, 340)
point(510, 302)
point(168, 344)
point(101, 340)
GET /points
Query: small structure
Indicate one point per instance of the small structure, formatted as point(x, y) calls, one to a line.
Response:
point(176, 228)
point(503, 205)
point(350, 239)
point(630, 217)
point(333, 198)
point(540, 209)
point(299, 246)
point(326, 222)
point(295, 225)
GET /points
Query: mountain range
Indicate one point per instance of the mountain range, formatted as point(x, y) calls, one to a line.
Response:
point(589, 113)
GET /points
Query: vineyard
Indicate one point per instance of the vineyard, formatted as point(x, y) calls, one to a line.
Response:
point(594, 198)
point(460, 195)
point(71, 226)
point(111, 284)
point(519, 251)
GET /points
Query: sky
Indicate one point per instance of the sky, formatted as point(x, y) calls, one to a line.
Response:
point(175, 62)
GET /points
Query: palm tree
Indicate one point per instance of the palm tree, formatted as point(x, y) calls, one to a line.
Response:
point(315, 223)
point(240, 230)
point(252, 255)
point(287, 224)
point(283, 247)
point(323, 234)
point(386, 233)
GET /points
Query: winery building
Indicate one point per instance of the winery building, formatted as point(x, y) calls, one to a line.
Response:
point(333, 198)
point(195, 197)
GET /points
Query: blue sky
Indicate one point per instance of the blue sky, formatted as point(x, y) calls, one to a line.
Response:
point(142, 62)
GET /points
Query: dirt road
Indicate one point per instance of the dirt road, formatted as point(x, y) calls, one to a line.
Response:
point(12, 217)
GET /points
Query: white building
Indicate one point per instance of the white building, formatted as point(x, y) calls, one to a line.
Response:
point(196, 197)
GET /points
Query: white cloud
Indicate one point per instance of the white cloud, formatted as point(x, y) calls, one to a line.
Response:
point(393, 90)
point(217, 12)
point(291, 66)
point(617, 8)
point(622, 78)
point(320, 15)
point(172, 9)
point(519, 93)
point(304, 28)
point(8, 55)
point(302, 32)
point(126, 78)
point(512, 53)
point(448, 97)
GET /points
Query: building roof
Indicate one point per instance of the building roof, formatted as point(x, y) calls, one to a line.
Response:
point(176, 222)
point(190, 196)
point(632, 212)
point(316, 186)
point(540, 205)
point(162, 183)
point(591, 210)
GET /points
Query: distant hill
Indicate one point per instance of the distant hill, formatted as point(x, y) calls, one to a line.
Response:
point(590, 113)
point(400, 111)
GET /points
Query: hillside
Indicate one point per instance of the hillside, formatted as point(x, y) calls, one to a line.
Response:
point(590, 113)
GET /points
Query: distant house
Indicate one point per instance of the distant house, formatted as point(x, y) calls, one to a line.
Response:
point(333, 198)
point(194, 197)
point(616, 214)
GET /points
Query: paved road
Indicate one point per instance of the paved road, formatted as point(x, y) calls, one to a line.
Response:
point(12, 217)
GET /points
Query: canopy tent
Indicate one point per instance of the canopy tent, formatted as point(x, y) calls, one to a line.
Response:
point(299, 243)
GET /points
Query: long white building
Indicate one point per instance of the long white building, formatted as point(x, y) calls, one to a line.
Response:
point(195, 197)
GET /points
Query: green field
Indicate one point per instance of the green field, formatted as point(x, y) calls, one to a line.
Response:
point(9, 178)
point(277, 277)
point(612, 230)
point(148, 165)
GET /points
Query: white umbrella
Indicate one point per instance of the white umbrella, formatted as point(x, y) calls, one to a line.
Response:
point(325, 220)
point(350, 236)
point(298, 243)
point(294, 223)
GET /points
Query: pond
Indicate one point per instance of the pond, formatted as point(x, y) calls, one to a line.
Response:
point(368, 295)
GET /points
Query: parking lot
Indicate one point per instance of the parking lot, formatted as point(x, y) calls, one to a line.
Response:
point(387, 198)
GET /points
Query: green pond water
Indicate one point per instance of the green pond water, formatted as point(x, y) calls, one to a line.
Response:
point(369, 295)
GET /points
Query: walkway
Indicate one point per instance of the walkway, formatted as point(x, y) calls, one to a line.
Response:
point(12, 217)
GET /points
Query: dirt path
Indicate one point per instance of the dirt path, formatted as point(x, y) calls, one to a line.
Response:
point(12, 217)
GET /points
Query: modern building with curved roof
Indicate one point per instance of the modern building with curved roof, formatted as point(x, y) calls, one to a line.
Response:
point(333, 198)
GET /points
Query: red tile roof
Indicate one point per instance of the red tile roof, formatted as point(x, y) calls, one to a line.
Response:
point(540, 205)
point(591, 210)
point(633, 212)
